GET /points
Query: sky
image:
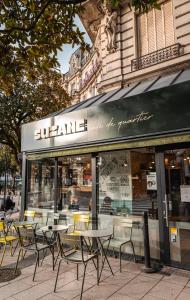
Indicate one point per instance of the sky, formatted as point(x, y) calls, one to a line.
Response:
point(64, 56)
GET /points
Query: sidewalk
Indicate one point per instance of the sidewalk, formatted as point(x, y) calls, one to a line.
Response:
point(131, 284)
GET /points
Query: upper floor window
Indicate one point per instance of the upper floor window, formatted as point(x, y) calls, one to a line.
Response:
point(155, 29)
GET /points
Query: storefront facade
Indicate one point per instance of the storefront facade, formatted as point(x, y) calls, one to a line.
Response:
point(115, 156)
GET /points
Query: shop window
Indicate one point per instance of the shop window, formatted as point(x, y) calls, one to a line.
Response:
point(155, 29)
point(127, 188)
point(75, 183)
point(127, 183)
point(40, 184)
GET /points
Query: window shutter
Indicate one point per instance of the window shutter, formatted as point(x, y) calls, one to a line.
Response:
point(168, 23)
point(160, 40)
point(156, 29)
point(151, 32)
point(142, 35)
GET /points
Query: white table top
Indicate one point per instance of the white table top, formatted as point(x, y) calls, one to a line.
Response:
point(54, 228)
point(98, 233)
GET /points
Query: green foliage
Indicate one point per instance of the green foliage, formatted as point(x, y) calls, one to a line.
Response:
point(29, 101)
point(7, 161)
point(32, 31)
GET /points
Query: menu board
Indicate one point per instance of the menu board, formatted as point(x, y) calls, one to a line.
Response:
point(185, 193)
point(115, 176)
point(151, 181)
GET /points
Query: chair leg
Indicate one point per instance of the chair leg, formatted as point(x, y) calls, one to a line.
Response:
point(53, 258)
point(37, 261)
point(17, 260)
point(11, 248)
point(77, 272)
point(4, 250)
point(57, 275)
point(120, 258)
point(15, 247)
point(97, 269)
point(133, 251)
point(83, 281)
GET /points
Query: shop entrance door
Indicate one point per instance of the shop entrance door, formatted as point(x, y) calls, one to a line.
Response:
point(176, 206)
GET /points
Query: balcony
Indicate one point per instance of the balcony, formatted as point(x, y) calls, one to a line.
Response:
point(156, 57)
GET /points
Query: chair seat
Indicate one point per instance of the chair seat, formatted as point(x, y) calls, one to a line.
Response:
point(75, 233)
point(117, 242)
point(77, 256)
point(9, 238)
point(36, 247)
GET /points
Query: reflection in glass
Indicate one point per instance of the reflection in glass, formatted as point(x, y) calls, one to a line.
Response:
point(75, 183)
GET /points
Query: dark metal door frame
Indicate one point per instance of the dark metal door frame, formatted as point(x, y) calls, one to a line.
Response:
point(162, 209)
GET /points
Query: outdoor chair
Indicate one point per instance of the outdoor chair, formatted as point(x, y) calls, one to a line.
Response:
point(81, 222)
point(117, 243)
point(6, 239)
point(63, 217)
point(72, 249)
point(29, 215)
point(51, 217)
point(28, 242)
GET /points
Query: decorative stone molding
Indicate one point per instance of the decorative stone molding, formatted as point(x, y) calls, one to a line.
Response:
point(110, 27)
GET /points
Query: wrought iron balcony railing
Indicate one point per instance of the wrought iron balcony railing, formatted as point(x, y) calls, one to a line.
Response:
point(156, 57)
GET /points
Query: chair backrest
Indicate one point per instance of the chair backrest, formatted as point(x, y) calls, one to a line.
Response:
point(70, 244)
point(51, 216)
point(124, 225)
point(27, 236)
point(81, 221)
point(39, 218)
point(63, 217)
point(29, 214)
point(2, 228)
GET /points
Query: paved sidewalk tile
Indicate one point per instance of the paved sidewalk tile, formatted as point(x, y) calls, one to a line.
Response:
point(166, 290)
point(130, 284)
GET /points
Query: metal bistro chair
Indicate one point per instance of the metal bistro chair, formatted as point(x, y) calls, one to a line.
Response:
point(29, 215)
point(81, 222)
point(117, 243)
point(28, 242)
point(5, 239)
point(78, 255)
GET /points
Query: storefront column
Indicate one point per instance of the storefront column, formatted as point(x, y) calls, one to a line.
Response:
point(55, 184)
point(94, 191)
point(163, 229)
point(24, 185)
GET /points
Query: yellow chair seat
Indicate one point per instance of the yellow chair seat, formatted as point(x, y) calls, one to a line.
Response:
point(8, 238)
point(75, 233)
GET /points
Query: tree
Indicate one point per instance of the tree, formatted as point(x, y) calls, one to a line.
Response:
point(32, 31)
point(29, 101)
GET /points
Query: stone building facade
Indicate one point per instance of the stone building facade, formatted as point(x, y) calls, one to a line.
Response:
point(129, 47)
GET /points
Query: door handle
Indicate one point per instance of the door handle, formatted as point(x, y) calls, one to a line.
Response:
point(166, 210)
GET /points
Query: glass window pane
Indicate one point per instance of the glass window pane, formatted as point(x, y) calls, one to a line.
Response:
point(41, 184)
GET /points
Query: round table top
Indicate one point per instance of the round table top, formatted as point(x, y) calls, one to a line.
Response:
point(97, 233)
point(54, 228)
point(24, 223)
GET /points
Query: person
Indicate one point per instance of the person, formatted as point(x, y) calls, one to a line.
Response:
point(9, 204)
point(74, 193)
point(106, 207)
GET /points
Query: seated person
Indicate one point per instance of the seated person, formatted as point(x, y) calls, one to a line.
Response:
point(73, 204)
point(9, 204)
point(106, 206)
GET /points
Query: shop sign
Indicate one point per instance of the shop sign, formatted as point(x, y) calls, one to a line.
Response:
point(173, 234)
point(144, 115)
point(151, 181)
point(185, 193)
point(71, 127)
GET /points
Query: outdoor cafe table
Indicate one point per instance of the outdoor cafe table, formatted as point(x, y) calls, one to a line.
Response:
point(98, 235)
point(54, 229)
